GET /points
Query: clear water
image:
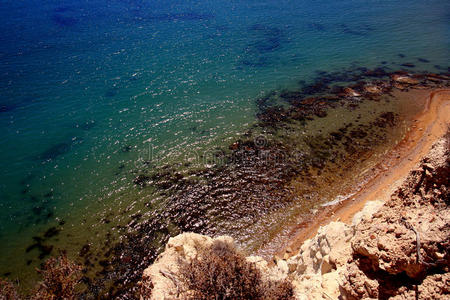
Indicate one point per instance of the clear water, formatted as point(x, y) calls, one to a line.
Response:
point(90, 89)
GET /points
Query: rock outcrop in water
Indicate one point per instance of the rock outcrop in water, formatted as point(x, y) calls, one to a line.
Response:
point(393, 250)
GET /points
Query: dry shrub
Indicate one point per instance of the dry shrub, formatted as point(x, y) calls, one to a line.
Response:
point(145, 287)
point(8, 290)
point(221, 272)
point(60, 277)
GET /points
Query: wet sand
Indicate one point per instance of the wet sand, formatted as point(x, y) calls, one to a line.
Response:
point(428, 126)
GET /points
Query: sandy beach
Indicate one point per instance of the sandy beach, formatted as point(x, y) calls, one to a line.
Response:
point(429, 125)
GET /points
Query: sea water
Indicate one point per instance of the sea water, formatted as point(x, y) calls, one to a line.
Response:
point(91, 91)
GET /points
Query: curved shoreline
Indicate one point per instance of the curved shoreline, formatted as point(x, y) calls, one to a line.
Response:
point(430, 125)
point(377, 256)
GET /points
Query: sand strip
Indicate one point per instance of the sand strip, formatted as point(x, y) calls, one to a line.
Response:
point(430, 125)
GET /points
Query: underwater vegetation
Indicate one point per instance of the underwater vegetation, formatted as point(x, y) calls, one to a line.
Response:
point(59, 149)
point(267, 40)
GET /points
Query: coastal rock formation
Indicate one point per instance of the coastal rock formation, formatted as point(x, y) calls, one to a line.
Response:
point(323, 258)
point(160, 273)
point(403, 250)
point(393, 250)
point(189, 253)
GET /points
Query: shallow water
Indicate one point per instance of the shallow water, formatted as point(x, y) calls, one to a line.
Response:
point(95, 94)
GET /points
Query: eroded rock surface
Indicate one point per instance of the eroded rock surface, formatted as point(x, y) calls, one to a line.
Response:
point(403, 250)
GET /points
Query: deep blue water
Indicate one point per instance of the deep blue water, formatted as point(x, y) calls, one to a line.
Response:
point(88, 87)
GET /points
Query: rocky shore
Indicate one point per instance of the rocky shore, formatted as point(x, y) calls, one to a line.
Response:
point(397, 249)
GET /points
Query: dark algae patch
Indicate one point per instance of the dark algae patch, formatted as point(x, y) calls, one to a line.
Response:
point(261, 52)
point(59, 149)
point(408, 65)
point(55, 151)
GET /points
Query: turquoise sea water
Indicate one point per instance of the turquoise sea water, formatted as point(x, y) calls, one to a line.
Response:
point(91, 90)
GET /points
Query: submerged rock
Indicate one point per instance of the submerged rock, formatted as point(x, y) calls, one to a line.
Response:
point(404, 79)
point(141, 180)
point(373, 89)
point(351, 92)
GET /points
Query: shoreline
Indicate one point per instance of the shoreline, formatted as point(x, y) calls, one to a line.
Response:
point(429, 125)
point(378, 256)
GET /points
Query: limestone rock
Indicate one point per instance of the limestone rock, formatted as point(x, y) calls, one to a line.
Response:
point(357, 285)
point(416, 213)
point(330, 247)
point(373, 89)
point(369, 209)
point(182, 246)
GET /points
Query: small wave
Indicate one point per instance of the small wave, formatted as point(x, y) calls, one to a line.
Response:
point(337, 200)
